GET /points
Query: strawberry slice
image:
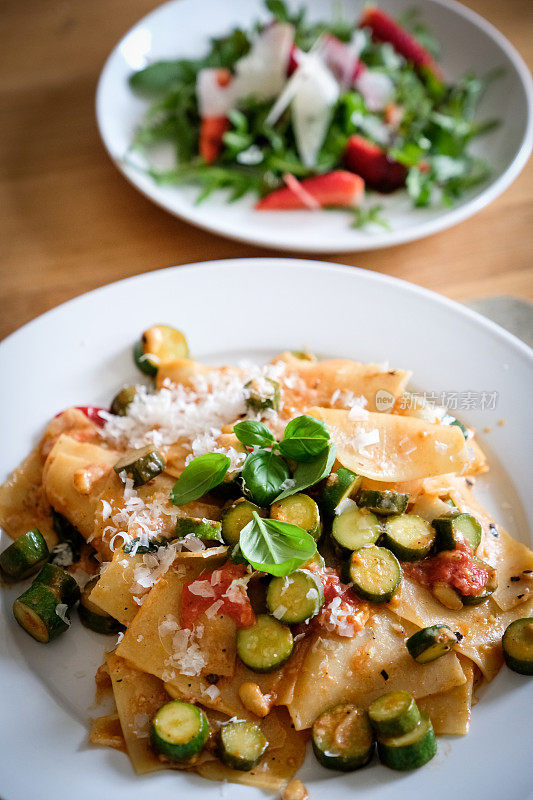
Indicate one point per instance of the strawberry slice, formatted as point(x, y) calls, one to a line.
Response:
point(373, 165)
point(386, 29)
point(212, 130)
point(339, 189)
point(294, 62)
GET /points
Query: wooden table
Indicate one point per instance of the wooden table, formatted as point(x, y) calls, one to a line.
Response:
point(70, 222)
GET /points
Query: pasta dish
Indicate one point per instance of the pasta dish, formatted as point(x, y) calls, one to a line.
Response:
point(285, 553)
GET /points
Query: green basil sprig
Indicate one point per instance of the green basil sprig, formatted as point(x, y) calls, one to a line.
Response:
point(310, 472)
point(200, 476)
point(253, 434)
point(275, 547)
point(305, 438)
point(263, 474)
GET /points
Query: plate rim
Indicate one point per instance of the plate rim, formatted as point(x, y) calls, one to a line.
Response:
point(293, 263)
point(447, 219)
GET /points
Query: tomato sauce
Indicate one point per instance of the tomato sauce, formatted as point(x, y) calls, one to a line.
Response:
point(343, 612)
point(92, 413)
point(212, 587)
point(456, 567)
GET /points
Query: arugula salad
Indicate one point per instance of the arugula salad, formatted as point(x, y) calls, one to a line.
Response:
point(309, 115)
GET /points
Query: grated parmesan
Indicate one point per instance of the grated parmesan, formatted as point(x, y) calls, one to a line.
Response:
point(140, 726)
point(279, 612)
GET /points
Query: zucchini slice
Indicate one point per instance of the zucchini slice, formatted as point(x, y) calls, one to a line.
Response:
point(262, 394)
point(236, 517)
point(355, 528)
point(24, 556)
point(457, 528)
point(200, 527)
point(122, 401)
point(343, 738)
point(159, 345)
point(93, 617)
point(409, 536)
point(301, 510)
point(383, 502)
point(295, 598)
point(60, 582)
point(517, 646)
point(142, 464)
point(375, 573)
point(36, 611)
point(410, 751)
point(490, 586)
point(340, 485)
point(67, 534)
point(304, 355)
point(394, 713)
point(266, 645)
point(236, 556)
point(431, 643)
point(179, 730)
point(241, 745)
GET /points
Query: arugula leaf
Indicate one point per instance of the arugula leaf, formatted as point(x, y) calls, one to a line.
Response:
point(275, 547)
point(159, 77)
point(304, 438)
point(200, 476)
point(311, 472)
point(253, 433)
point(263, 474)
point(226, 50)
point(420, 186)
point(369, 216)
point(279, 10)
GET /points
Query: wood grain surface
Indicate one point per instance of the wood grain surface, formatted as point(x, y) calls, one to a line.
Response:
point(69, 222)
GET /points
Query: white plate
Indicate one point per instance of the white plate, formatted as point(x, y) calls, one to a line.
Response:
point(81, 353)
point(183, 27)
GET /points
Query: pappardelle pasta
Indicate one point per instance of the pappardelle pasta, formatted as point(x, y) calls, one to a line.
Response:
point(287, 552)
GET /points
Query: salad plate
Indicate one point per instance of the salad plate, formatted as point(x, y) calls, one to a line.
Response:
point(334, 311)
point(468, 45)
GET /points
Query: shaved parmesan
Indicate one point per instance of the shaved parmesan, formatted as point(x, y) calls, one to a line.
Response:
point(212, 692)
point(201, 589)
point(262, 72)
point(316, 93)
point(216, 95)
point(61, 611)
point(213, 609)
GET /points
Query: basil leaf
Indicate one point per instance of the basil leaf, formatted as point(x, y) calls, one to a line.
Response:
point(311, 472)
point(200, 476)
point(305, 437)
point(263, 474)
point(252, 433)
point(275, 547)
